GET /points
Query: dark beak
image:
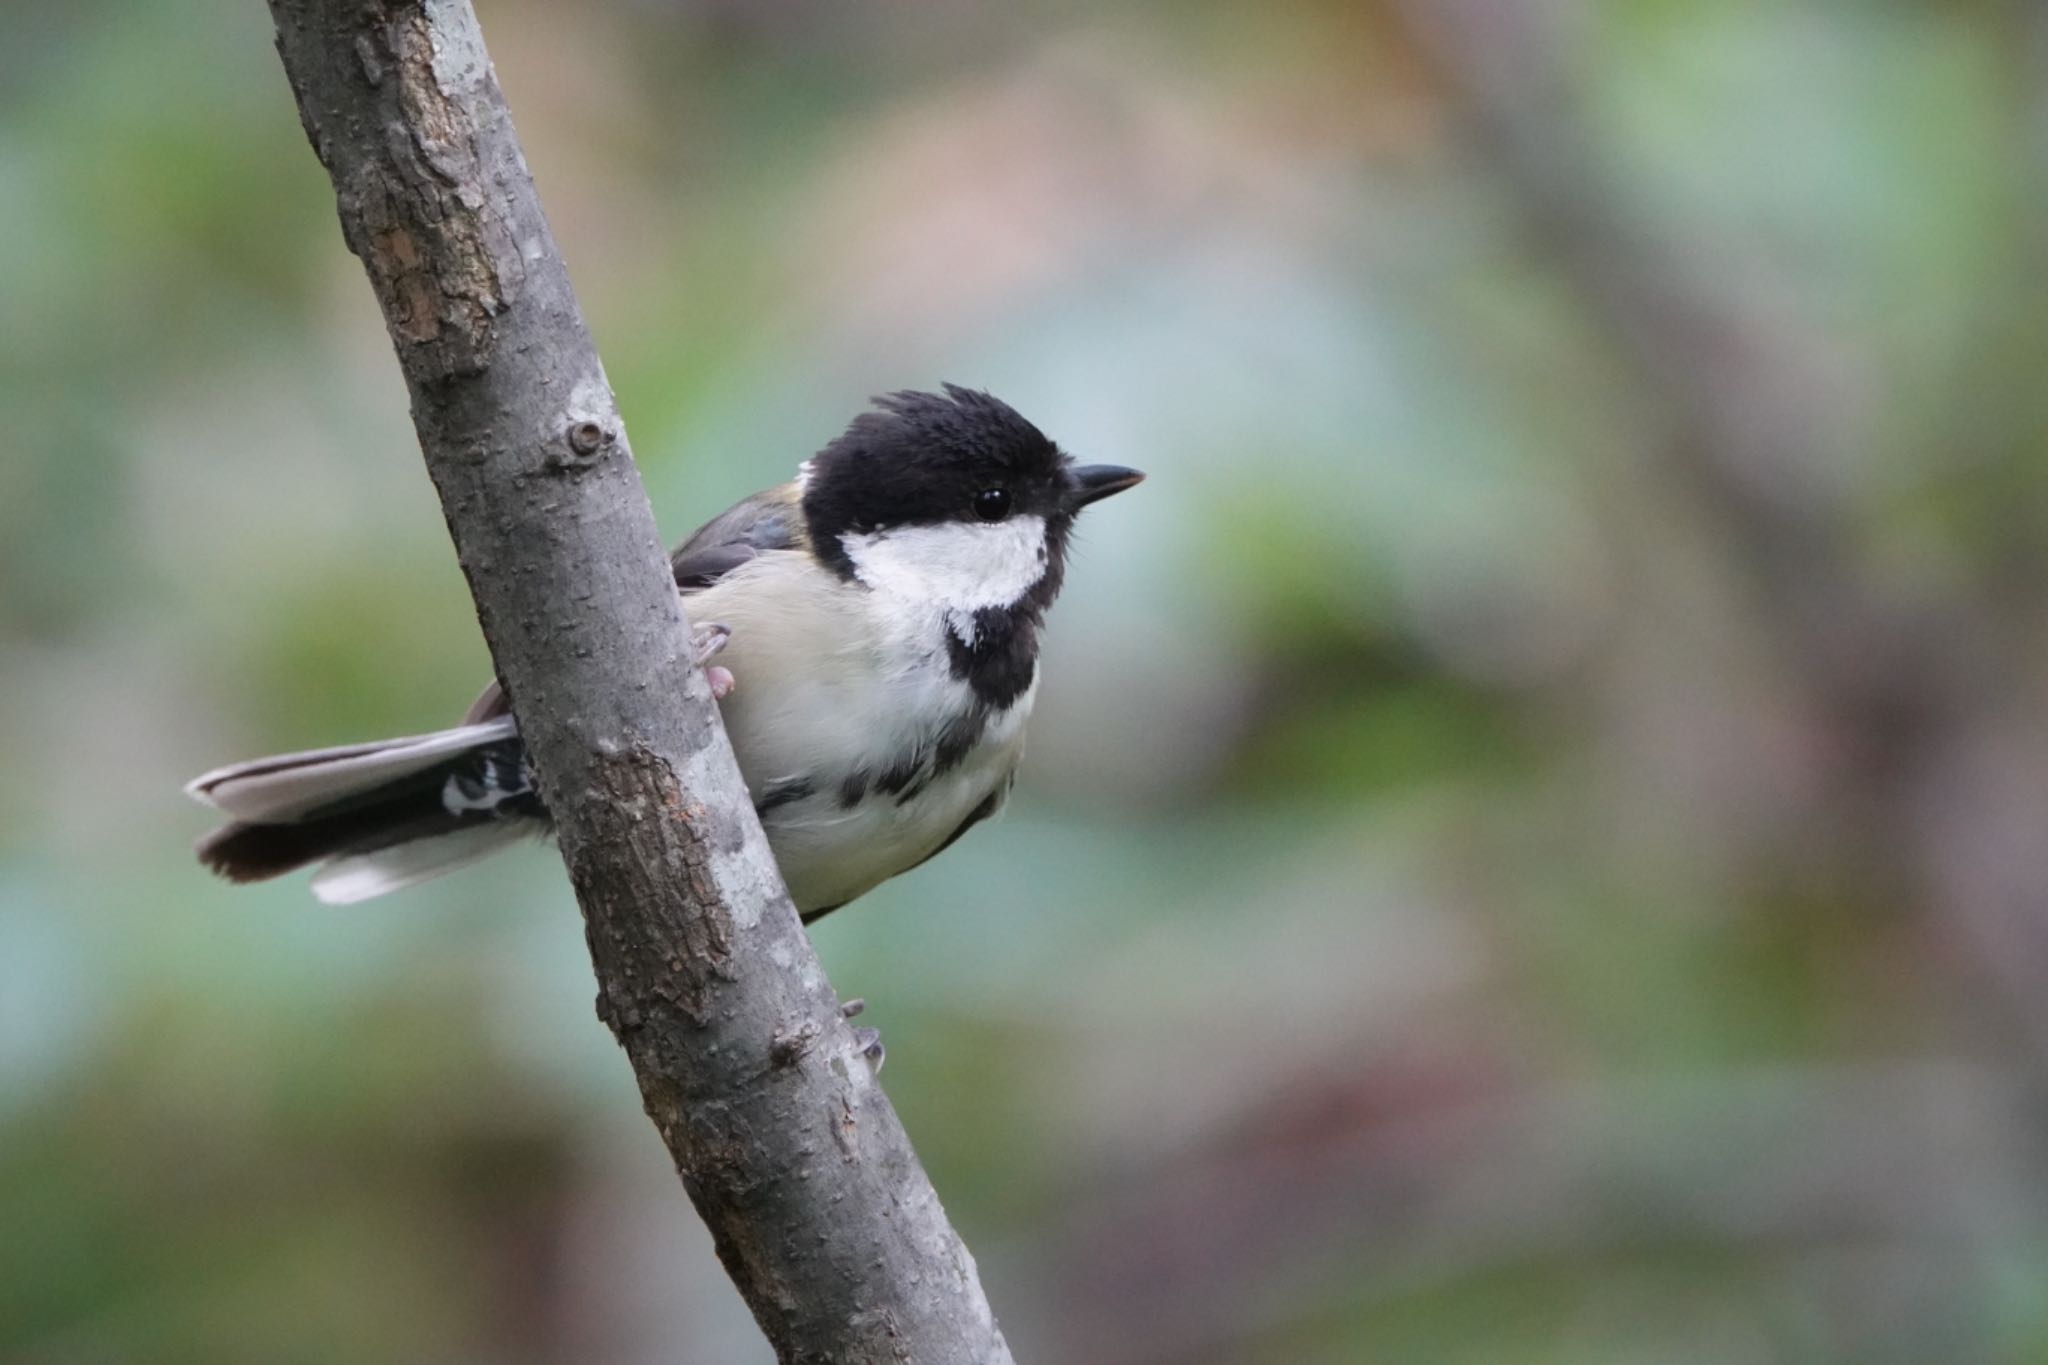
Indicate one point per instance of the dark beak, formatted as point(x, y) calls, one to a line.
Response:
point(1093, 482)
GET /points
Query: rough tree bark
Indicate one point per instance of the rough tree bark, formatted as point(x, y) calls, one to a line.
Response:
point(786, 1144)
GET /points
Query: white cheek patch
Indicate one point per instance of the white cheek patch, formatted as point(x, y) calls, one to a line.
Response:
point(961, 566)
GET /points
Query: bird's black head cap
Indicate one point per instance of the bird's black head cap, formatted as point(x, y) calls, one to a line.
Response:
point(922, 459)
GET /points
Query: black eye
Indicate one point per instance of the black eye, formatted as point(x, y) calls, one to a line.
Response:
point(992, 504)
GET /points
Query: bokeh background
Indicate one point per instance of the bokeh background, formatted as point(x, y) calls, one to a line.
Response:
point(1535, 844)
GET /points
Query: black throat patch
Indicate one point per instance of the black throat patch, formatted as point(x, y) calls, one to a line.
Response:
point(1002, 659)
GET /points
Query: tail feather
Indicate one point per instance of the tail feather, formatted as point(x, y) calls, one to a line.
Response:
point(252, 853)
point(287, 786)
point(360, 876)
point(379, 816)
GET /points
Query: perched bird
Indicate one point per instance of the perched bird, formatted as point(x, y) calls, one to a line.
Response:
point(877, 624)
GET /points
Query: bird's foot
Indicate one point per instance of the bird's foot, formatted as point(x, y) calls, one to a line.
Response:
point(706, 640)
point(868, 1040)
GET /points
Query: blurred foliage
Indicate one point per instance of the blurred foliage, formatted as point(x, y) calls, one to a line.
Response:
point(1532, 844)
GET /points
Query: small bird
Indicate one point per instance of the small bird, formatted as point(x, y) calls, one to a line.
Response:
point(876, 621)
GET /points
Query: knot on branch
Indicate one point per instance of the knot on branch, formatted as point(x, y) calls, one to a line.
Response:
point(583, 441)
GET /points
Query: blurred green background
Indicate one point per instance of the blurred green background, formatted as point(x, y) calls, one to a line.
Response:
point(1535, 843)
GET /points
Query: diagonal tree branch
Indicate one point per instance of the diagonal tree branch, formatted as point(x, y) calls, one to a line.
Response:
point(786, 1144)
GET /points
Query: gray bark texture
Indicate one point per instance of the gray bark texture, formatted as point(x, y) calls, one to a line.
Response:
point(784, 1141)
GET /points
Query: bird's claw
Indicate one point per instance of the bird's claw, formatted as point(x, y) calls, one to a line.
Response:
point(867, 1040)
point(706, 640)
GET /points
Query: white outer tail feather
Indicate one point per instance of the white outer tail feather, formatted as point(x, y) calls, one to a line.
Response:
point(361, 876)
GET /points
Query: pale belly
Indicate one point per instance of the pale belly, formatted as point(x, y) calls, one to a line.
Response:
point(838, 721)
point(829, 854)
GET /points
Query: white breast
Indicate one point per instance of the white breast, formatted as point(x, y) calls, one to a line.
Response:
point(833, 681)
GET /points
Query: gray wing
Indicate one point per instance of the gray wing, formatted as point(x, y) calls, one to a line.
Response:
point(770, 520)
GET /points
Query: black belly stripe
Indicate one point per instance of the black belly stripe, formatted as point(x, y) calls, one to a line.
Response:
point(905, 778)
point(958, 739)
point(782, 794)
point(910, 776)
